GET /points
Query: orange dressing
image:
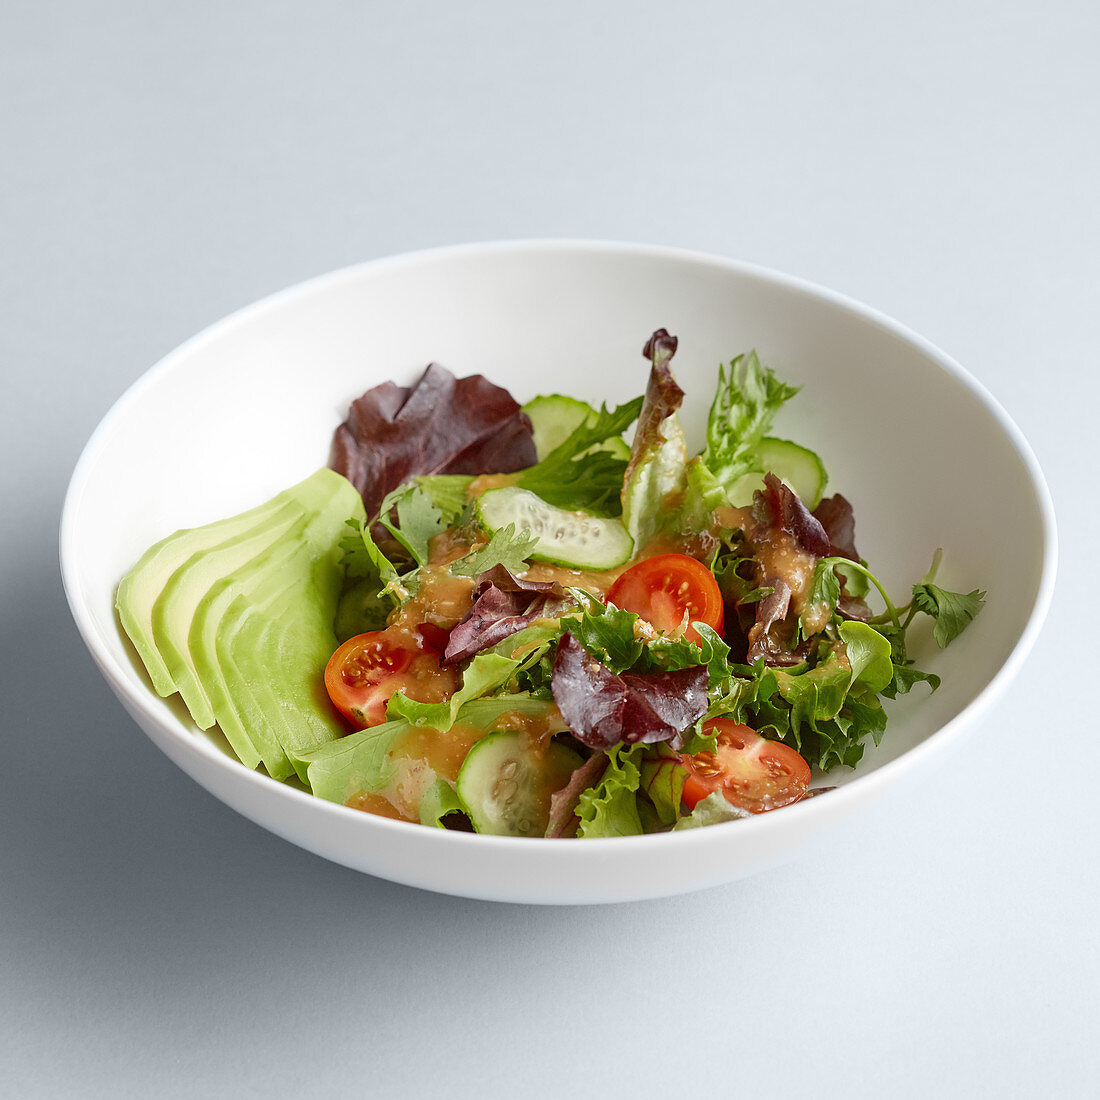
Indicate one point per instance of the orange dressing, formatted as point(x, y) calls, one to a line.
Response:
point(596, 582)
point(452, 544)
point(372, 803)
point(485, 482)
point(733, 519)
point(441, 599)
point(780, 556)
point(443, 753)
point(536, 729)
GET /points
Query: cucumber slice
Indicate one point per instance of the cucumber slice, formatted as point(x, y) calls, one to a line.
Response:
point(554, 417)
point(576, 540)
point(798, 466)
point(506, 787)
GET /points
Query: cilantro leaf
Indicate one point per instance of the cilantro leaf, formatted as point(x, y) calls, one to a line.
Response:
point(573, 475)
point(505, 547)
point(905, 678)
point(952, 611)
point(356, 558)
point(748, 397)
point(418, 520)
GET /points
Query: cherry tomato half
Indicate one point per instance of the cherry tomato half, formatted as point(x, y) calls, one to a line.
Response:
point(753, 773)
point(663, 588)
point(367, 670)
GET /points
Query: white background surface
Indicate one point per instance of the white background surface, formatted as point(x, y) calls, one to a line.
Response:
point(163, 165)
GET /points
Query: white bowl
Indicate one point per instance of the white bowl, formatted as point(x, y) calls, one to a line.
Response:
point(248, 407)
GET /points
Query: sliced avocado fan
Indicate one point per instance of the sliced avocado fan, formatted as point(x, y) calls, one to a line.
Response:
point(237, 617)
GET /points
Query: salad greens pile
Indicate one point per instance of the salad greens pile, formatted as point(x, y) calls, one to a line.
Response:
point(802, 659)
point(511, 620)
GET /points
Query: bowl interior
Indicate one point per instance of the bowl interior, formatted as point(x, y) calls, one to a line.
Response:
point(249, 406)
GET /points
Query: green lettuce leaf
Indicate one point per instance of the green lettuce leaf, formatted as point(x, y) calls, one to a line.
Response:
point(735, 588)
point(522, 645)
point(662, 779)
point(605, 631)
point(610, 808)
point(354, 764)
point(438, 802)
point(826, 712)
point(659, 476)
point(657, 472)
point(361, 761)
point(486, 673)
point(670, 654)
point(448, 493)
point(703, 492)
point(868, 654)
point(711, 810)
point(815, 694)
point(362, 607)
point(825, 587)
point(906, 678)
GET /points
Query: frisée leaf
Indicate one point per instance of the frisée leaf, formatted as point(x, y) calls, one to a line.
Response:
point(748, 397)
point(610, 807)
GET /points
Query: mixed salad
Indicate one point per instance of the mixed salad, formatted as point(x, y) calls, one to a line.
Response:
point(531, 627)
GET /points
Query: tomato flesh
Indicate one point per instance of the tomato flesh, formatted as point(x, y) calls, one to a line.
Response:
point(754, 774)
point(366, 671)
point(665, 588)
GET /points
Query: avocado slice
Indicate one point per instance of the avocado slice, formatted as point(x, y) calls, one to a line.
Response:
point(295, 634)
point(242, 623)
point(174, 609)
point(246, 725)
point(279, 635)
point(141, 586)
point(273, 645)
